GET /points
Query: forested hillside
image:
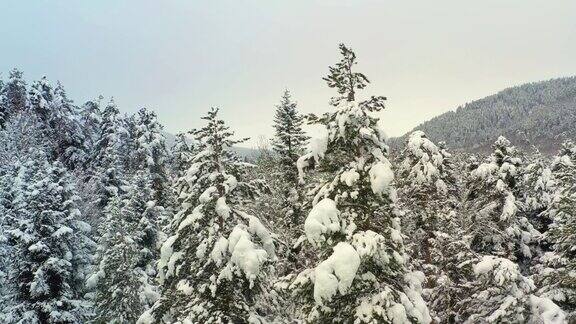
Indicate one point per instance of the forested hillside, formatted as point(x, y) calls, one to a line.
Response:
point(540, 114)
point(102, 222)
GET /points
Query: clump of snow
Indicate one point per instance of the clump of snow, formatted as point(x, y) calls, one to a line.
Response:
point(546, 311)
point(509, 208)
point(502, 269)
point(206, 196)
point(245, 254)
point(381, 177)
point(349, 177)
point(222, 208)
point(218, 252)
point(256, 227)
point(322, 219)
point(317, 149)
point(336, 273)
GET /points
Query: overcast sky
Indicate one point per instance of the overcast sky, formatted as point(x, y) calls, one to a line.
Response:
point(181, 57)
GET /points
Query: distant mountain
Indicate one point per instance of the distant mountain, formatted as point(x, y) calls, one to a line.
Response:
point(540, 114)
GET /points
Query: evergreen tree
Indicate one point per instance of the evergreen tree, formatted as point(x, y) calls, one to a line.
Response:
point(557, 271)
point(501, 294)
point(361, 275)
point(59, 121)
point(150, 154)
point(180, 155)
point(106, 165)
point(14, 98)
point(212, 265)
point(123, 289)
point(3, 108)
point(290, 139)
point(428, 192)
point(91, 119)
point(48, 240)
point(496, 226)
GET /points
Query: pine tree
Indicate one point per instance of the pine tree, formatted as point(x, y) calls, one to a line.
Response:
point(60, 122)
point(180, 155)
point(497, 228)
point(353, 226)
point(502, 294)
point(91, 118)
point(14, 96)
point(3, 106)
point(290, 139)
point(557, 271)
point(212, 265)
point(122, 285)
point(48, 243)
point(501, 236)
point(427, 191)
point(150, 154)
point(105, 163)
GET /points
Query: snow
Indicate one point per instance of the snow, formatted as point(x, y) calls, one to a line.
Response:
point(192, 217)
point(502, 269)
point(336, 273)
point(166, 252)
point(349, 177)
point(322, 219)
point(63, 230)
point(546, 311)
point(509, 208)
point(245, 254)
point(256, 227)
point(206, 196)
point(381, 177)
point(222, 208)
point(218, 253)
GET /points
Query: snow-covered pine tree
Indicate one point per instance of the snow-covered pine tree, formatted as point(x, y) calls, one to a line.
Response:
point(557, 273)
point(492, 206)
point(502, 294)
point(14, 97)
point(537, 192)
point(212, 264)
point(60, 122)
point(362, 274)
point(427, 188)
point(501, 236)
point(3, 108)
point(105, 163)
point(91, 119)
point(289, 138)
point(150, 154)
point(48, 243)
point(180, 155)
point(427, 192)
point(289, 143)
point(122, 281)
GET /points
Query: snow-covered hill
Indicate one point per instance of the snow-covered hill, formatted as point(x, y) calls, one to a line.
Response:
point(542, 114)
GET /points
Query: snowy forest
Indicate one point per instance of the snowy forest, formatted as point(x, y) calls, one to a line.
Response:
point(102, 222)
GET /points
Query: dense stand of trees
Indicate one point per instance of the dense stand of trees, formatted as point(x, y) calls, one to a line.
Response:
point(101, 222)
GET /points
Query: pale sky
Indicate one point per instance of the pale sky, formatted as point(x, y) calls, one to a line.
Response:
point(179, 58)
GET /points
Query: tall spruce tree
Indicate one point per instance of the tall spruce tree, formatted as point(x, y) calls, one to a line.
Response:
point(427, 191)
point(289, 138)
point(497, 228)
point(14, 97)
point(557, 271)
point(122, 281)
point(181, 153)
point(212, 264)
point(48, 243)
point(361, 274)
